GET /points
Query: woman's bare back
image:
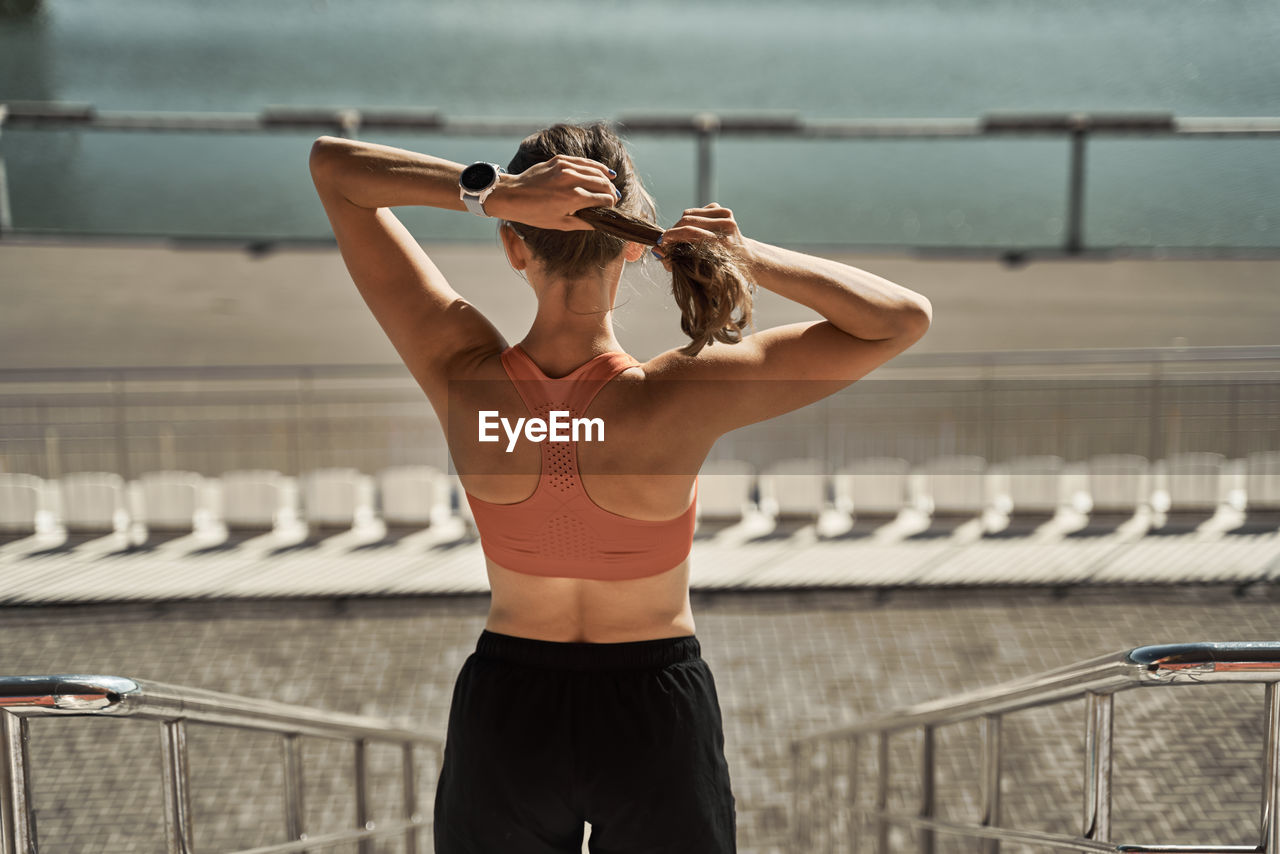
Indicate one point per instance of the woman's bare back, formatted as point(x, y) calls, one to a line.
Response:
point(641, 470)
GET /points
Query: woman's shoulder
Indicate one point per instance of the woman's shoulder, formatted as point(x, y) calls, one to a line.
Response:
point(479, 363)
point(708, 363)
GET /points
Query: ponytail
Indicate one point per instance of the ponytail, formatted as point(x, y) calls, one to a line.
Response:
point(711, 289)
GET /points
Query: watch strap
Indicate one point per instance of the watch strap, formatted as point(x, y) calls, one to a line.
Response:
point(475, 200)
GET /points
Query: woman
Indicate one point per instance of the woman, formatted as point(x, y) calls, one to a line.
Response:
point(587, 698)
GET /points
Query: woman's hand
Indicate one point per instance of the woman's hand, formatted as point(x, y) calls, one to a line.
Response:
point(700, 224)
point(548, 193)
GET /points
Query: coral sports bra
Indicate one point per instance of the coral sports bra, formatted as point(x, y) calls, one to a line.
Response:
point(559, 531)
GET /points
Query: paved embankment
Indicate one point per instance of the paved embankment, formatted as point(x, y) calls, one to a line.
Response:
point(76, 305)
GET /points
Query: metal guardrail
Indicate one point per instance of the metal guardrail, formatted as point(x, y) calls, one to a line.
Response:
point(293, 418)
point(1097, 680)
point(24, 697)
point(703, 127)
point(960, 359)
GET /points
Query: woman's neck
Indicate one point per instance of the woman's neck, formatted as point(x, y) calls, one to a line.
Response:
point(563, 351)
point(569, 332)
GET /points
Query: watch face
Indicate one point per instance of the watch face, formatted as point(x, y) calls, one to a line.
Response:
point(477, 177)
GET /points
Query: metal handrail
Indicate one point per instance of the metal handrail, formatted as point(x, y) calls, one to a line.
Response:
point(127, 419)
point(703, 127)
point(960, 358)
point(1097, 680)
point(24, 697)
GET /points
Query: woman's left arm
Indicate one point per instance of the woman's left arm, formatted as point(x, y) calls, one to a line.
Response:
point(431, 326)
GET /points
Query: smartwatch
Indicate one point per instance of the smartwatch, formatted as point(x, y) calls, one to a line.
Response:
point(477, 181)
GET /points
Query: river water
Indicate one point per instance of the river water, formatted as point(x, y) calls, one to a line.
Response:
point(580, 59)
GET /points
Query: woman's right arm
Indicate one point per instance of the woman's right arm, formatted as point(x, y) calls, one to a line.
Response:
point(868, 320)
point(860, 304)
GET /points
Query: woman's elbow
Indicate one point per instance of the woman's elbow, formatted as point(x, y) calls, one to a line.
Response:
point(323, 151)
point(926, 309)
point(917, 317)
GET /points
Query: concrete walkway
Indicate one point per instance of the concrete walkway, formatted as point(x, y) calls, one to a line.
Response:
point(126, 304)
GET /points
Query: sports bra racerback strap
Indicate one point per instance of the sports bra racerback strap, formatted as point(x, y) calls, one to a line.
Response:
point(573, 392)
point(559, 530)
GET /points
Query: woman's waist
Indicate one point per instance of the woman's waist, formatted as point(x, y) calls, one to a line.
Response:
point(576, 609)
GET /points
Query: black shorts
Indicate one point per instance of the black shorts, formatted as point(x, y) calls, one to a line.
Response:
point(544, 736)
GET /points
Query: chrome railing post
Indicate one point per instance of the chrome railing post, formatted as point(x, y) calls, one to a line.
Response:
point(801, 789)
point(1097, 781)
point(17, 828)
point(928, 786)
point(882, 794)
point(302, 428)
point(6, 216)
point(855, 815)
point(1271, 775)
point(177, 790)
point(826, 785)
point(1075, 190)
point(362, 794)
point(706, 125)
point(294, 825)
point(991, 778)
point(796, 792)
point(1155, 407)
point(410, 800)
point(121, 403)
point(835, 805)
